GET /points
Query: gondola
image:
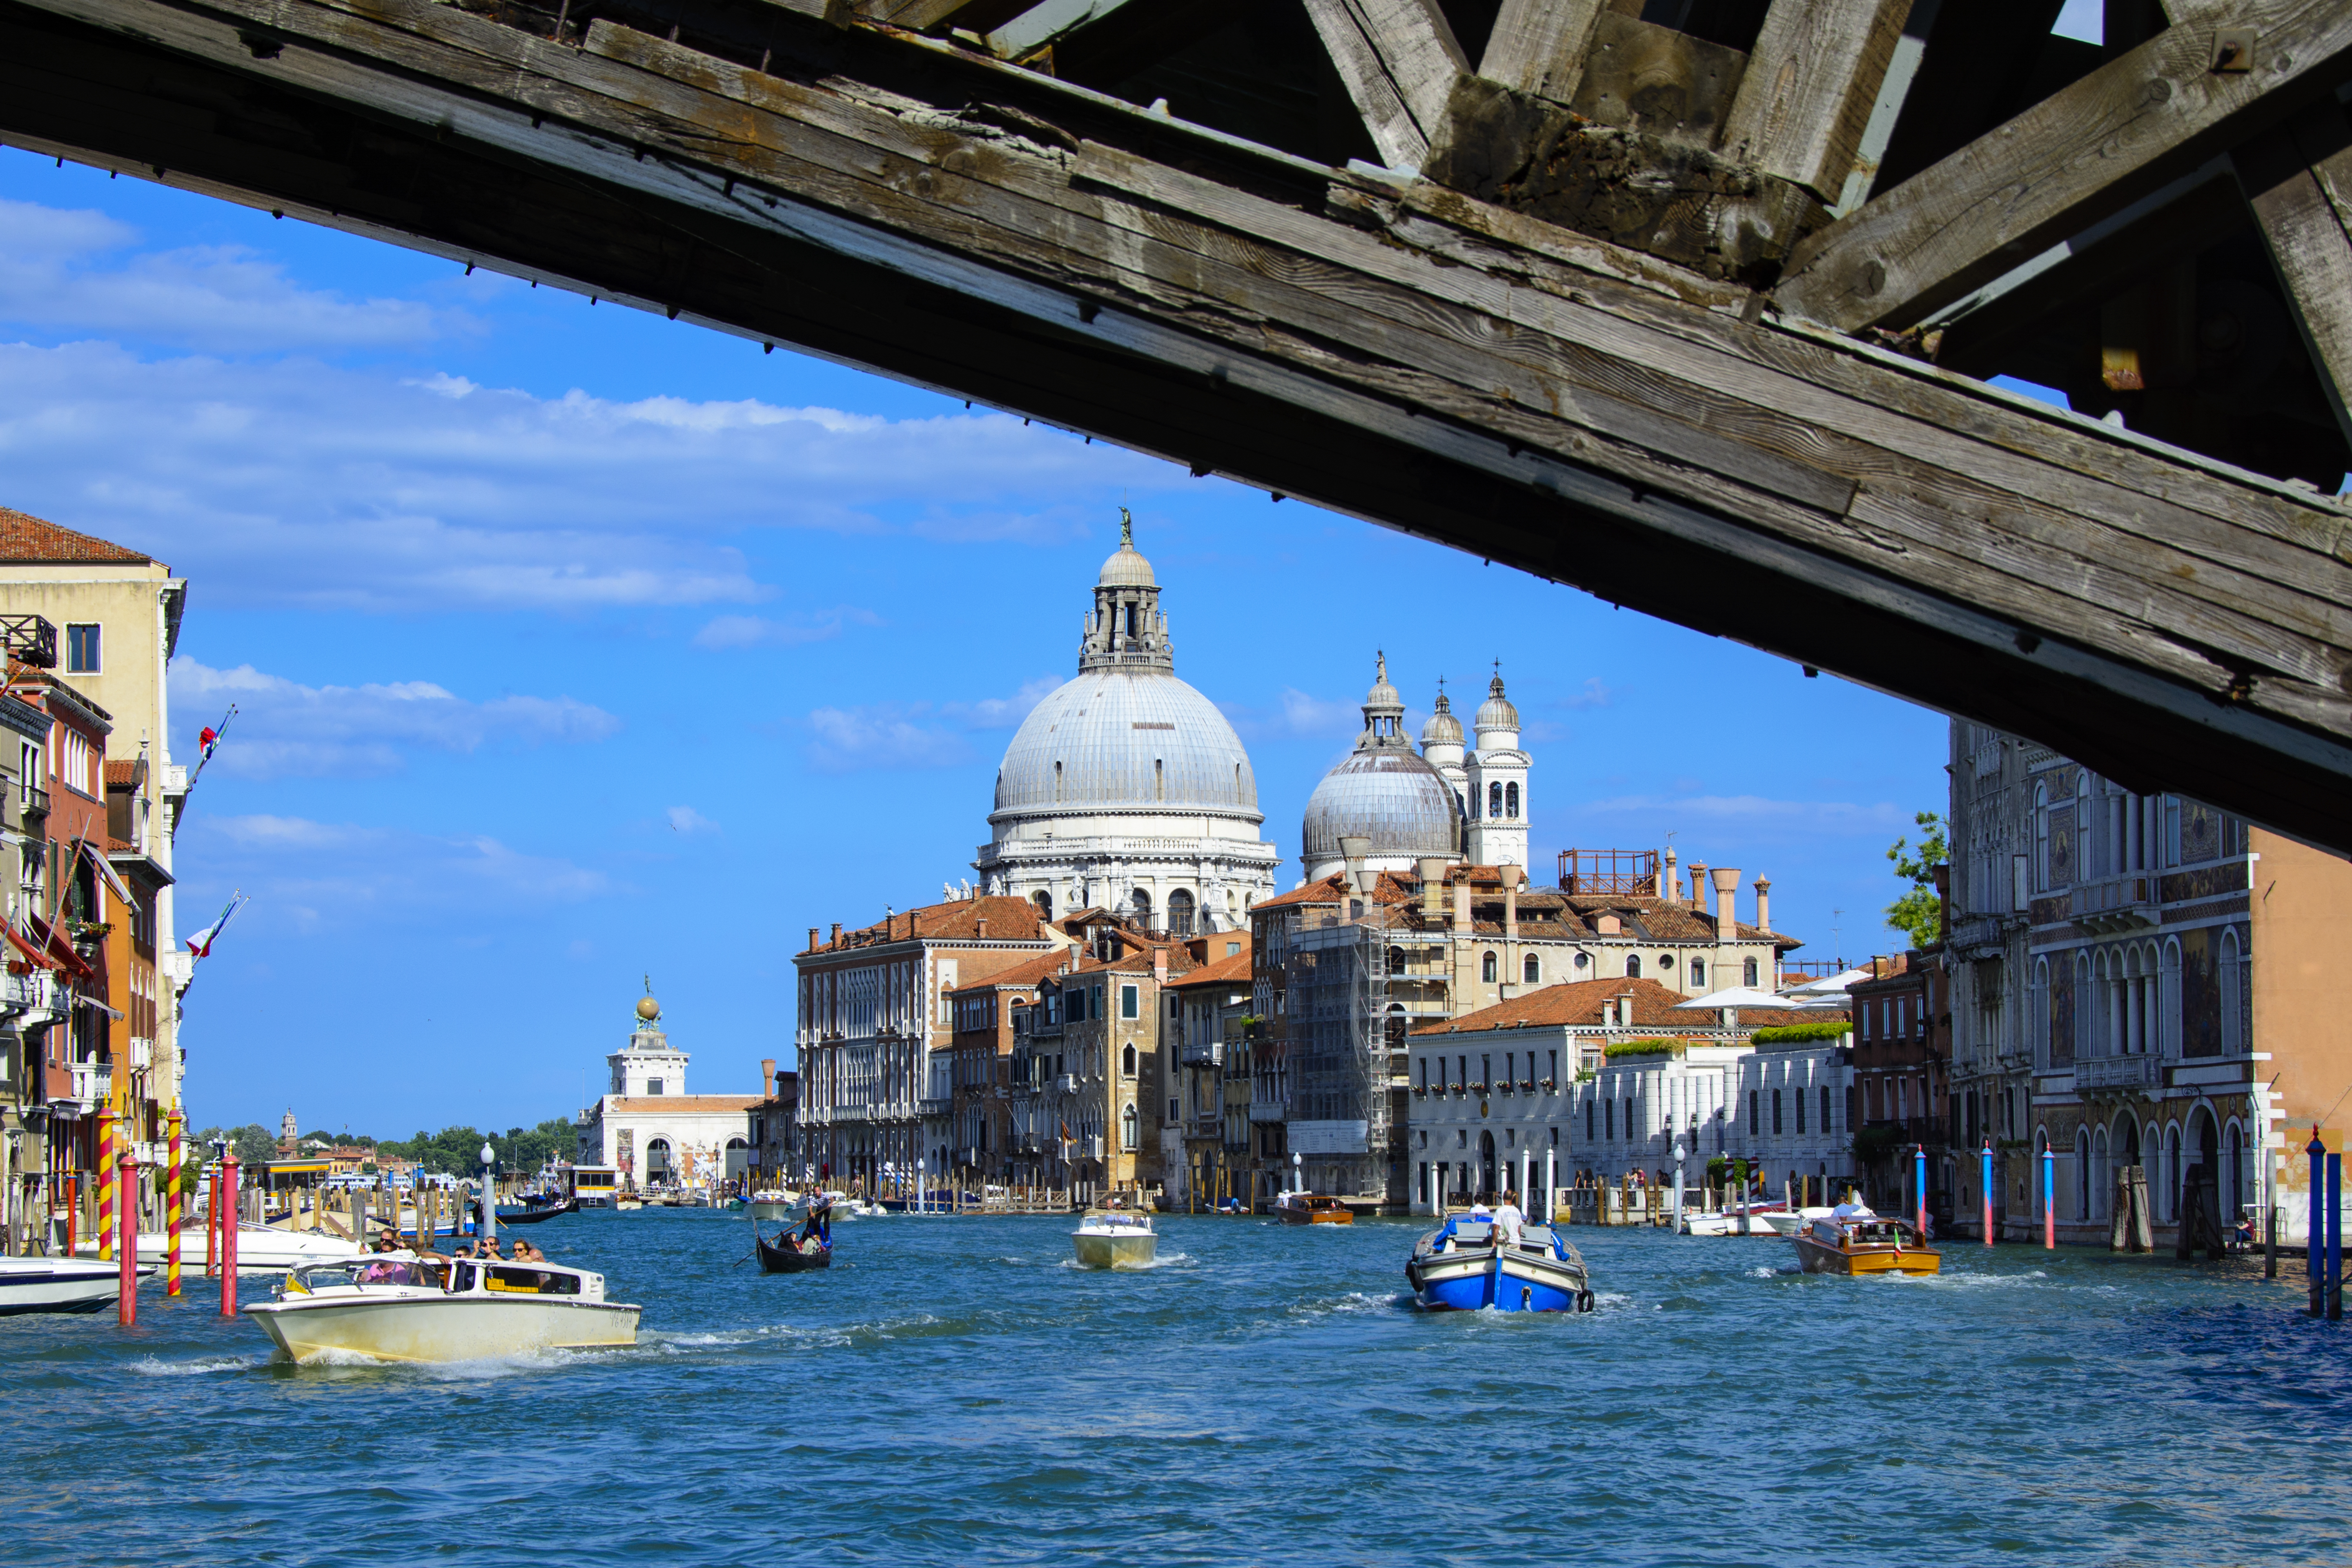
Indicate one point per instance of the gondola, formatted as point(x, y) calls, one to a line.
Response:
point(533, 1213)
point(798, 1251)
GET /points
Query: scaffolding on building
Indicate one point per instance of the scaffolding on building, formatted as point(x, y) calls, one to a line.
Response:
point(1346, 1041)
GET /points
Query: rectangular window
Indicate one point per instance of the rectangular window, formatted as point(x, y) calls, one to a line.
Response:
point(1776, 1121)
point(1755, 1122)
point(1588, 1130)
point(1094, 1009)
point(1608, 1112)
point(1128, 1004)
point(81, 655)
point(1825, 1117)
point(1801, 1120)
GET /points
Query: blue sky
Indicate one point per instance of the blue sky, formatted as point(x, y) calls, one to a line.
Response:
point(571, 645)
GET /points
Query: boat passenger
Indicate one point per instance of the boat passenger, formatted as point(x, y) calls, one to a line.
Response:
point(524, 1252)
point(385, 1242)
point(1509, 1219)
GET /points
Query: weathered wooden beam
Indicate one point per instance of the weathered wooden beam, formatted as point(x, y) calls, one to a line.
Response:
point(2298, 180)
point(1537, 46)
point(2079, 155)
point(1382, 346)
point(1399, 60)
point(1813, 78)
point(938, 15)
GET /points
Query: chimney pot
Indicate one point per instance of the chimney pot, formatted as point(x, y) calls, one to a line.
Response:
point(767, 1083)
point(837, 941)
point(1763, 903)
point(1698, 884)
point(1461, 906)
point(812, 949)
point(980, 927)
point(1727, 916)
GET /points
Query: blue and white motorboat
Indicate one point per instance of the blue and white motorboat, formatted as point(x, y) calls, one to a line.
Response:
point(1497, 1261)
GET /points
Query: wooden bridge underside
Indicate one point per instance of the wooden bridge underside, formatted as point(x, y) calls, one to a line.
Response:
point(1702, 386)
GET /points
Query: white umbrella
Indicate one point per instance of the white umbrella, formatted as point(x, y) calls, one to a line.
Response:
point(1830, 985)
point(1737, 996)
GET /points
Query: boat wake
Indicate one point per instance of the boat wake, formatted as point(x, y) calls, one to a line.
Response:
point(154, 1366)
point(1165, 1260)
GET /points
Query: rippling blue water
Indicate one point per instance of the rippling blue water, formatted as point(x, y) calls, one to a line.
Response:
point(952, 1391)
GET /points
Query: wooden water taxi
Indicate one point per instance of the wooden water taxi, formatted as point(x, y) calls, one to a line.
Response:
point(1312, 1208)
point(1850, 1239)
point(1115, 1238)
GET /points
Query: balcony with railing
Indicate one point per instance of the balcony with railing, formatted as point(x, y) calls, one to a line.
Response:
point(1264, 1110)
point(1203, 1053)
point(2118, 1072)
point(34, 800)
point(2110, 904)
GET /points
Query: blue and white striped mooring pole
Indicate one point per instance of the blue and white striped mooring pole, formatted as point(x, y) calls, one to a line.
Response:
point(1919, 1187)
point(2334, 1237)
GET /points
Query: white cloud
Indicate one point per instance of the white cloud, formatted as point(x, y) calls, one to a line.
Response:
point(1295, 715)
point(1592, 694)
point(913, 734)
point(314, 874)
point(286, 729)
point(301, 484)
point(686, 819)
point(223, 297)
point(790, 631)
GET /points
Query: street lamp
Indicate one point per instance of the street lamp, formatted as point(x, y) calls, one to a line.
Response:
point(488, 1229)
point(1297, 1179)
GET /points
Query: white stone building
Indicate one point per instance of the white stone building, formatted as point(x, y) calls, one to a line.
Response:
point(649, 1128)
point(1126, 789)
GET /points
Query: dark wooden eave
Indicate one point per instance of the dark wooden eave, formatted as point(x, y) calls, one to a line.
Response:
point(1369, 341)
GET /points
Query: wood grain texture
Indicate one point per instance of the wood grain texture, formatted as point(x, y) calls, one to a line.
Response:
point(2294, 177)
point(1537, 46)
point(2086, 152)
point(1811, 78)
point(1384, 347)
point(1399, 59)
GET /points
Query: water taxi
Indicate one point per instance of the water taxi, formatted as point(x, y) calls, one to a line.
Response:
point(1312, 1208)
point(1115, 1238)
point(1851, 1239)
point(395, 1306)
point(59, 1284)
point(1497, 1261)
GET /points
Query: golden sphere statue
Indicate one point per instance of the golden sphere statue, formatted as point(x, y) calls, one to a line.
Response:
point(648, 1009)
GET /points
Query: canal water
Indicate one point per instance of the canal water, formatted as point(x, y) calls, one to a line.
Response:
point(953, 1392)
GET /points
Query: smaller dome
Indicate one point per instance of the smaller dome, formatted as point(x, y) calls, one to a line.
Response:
point(1382, 696)
point(1497, 712)
point(1126, 567)
point(648, 1009)
point(1443, 729)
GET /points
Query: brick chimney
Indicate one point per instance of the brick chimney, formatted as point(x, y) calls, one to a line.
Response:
point(1158, 973)
point(1763, 912)
point(811, 947)
point(767, 1084)
point(1726, 917)
point(1697, 894)
point(837, 941)
point(980, 931)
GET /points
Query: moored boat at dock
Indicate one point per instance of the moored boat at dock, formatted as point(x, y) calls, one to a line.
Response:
point(1498, 1261)
point(1312, 1208)
point(59, 1284)
point(1115, 1238)
point(1851, 1239)
point(399, 1306)
point(261, 1249)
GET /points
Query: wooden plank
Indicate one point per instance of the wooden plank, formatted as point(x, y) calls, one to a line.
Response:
point(1537, 46)
point(2079, 155)
point(1811, 80)
point(1399, 59)
point(2295, 178)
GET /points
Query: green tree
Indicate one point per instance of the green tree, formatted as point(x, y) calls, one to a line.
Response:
point(1919, 913)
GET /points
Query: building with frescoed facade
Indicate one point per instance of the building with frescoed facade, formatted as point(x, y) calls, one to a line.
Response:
point(650, 1129)
point(2163, 974)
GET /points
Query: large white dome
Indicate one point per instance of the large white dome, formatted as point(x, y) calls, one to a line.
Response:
point(1119, 740)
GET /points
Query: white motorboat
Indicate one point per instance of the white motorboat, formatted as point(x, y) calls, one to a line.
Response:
point(261, 1249)
point(1752, 1219)
point(779, 1206)
point(1115, 1238)
point(845, 1206)
point(1499, 1261)
point(395, 1305)
point(59, 1284)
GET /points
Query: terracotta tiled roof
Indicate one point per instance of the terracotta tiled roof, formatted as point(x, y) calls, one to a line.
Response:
point(1021, 976)
point(1578, 1004)
point(1009, 919)
point(1233, 971)
point(25, 540)
point(1388, 887)
point(126, 774)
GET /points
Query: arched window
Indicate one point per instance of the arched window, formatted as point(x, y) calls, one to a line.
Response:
point(2167, 1199)
point(2085, 1005)
point(1127, 1062)
point(657, 1161)
point(2233, 1174)
point(1747, 977)
point(1530, 971)
point(1633, 972)
point(2041, 842)
point(2099, 1182)
point(2082, 1174)
point(1485, 972)
point(1158, 792)
point(1042, 899)
point(2037, 1014)
point(1495, 801)
point(2168, 999)
point(1698, 983)
point(1057, 797)
point(1126, 1126)
point(1179, 914)
point(1510, 809)
point(1142, 903)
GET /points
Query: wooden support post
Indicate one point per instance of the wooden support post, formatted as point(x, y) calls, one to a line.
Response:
point(1811, 80)
point(2298, 181)
point(1538, 46)
point(1398, 60)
